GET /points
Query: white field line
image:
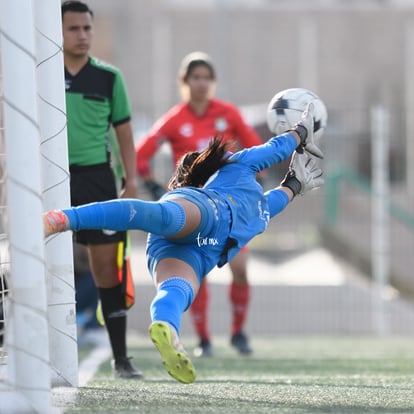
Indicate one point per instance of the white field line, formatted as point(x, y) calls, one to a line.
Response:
point(64, 397)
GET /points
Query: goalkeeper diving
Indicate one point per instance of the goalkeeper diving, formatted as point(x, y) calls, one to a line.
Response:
point(213, 208)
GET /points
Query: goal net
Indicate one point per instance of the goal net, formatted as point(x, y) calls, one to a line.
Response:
point(38, 347)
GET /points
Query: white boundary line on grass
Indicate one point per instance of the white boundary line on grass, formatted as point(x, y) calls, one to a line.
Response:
point(64, 397)
point(89, 366)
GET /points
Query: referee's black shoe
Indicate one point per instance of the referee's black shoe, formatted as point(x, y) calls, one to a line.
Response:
point(122, 368)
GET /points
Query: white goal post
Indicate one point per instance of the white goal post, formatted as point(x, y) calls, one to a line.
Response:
point(38, 348)
point(56, 180)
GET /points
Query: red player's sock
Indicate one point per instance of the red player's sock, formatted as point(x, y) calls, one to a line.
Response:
point(198, 311)
point(239, 297)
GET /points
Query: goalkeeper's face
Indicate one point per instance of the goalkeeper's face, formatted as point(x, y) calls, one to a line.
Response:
point(77, 33)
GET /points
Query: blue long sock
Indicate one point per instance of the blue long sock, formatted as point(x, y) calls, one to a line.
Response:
point(173, 298)
point(165, 218)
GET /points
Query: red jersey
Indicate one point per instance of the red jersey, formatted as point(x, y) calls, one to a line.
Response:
point(186, 131)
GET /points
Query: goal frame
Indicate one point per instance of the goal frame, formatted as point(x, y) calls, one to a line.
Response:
point(40, 345)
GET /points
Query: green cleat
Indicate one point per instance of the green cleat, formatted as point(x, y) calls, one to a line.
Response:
point(175, 359)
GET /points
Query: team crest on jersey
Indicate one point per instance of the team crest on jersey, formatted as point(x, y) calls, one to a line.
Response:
point(186, 130)
point(221, 124)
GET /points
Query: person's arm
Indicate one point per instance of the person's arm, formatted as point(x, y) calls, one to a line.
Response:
point(281, 147)
point(144, 152)
point(302, 176)
point(121, 122)
point(127, 152)
point(246, 135)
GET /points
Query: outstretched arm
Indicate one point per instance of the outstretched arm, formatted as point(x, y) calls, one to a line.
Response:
point(303, 175)
point(281, 147)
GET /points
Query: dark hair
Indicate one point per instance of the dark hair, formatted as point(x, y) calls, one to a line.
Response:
point(195, 168)
point(193, 60)
point(75, 6)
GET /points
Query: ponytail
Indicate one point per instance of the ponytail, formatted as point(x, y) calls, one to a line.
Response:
point(195, 168)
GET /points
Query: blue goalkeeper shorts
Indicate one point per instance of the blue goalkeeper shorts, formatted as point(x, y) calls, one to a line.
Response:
point(202, 249)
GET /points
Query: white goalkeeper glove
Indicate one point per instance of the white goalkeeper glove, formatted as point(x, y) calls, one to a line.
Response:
point(303, 174)
point(304, 128)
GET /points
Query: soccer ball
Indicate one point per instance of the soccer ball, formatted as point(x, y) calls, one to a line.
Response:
point(286, 108)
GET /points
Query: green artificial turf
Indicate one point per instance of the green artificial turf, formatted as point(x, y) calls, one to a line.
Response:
point(284, 375)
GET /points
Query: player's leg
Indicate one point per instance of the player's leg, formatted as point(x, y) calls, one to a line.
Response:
point(86, 292)
point(199, 316)
point(94, 184)
point(171, 218)
point(239, 295)
point(103, 259)
point(178, 270)
point(176, 283)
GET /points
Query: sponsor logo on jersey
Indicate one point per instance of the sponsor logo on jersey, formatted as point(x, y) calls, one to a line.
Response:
point(187, 130)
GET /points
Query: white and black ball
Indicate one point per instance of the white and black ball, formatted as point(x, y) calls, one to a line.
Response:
point(286, 108)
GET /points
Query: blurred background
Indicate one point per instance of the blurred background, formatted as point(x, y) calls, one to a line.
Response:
point(354, 54)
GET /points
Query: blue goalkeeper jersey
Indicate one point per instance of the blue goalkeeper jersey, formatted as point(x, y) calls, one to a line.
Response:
point(251, 209)
point(235, 194)
point(233, 209)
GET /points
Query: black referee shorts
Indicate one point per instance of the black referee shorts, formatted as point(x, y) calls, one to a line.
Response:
point(89, 184)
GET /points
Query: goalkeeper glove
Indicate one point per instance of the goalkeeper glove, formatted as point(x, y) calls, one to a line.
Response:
point(303, 174)
point(304, 128)
point(156, 190)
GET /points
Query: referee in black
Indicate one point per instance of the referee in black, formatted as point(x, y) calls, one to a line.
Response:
point(96, 100)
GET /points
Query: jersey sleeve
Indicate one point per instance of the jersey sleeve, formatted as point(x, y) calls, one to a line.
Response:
point(277, 201)
point(144, 152)
point(149, 145)
point(275, 150)
point(121, 108)
point(246, 135)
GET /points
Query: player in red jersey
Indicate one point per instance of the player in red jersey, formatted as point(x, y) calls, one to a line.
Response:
point(189, 126)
